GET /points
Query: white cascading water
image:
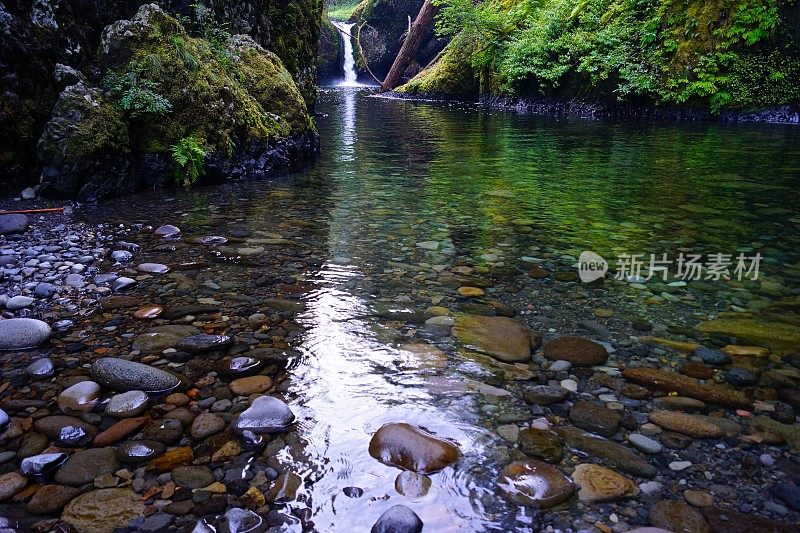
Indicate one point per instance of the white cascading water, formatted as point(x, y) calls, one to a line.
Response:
point(350, 75)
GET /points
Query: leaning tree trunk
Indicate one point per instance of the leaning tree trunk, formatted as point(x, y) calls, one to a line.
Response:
point(416, 33)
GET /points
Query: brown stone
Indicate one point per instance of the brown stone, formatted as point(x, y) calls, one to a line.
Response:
point(670, 381)
point(10, 484)
point(686, 424)
point(730, 521)
point(534, 483)
point(608, 451)
point(285, 488)
point(601, 484)
point(412, 485)
point(680, 403)
point(103, 511)
point(503, 338)
point(678, 517)
point(171, 459)
point(119, 431)
point(50, 499)
point(251, 385)
point(594, 417)
point(697, 370)
point(470, 292)
point(576, 350)
point(412, 448)
point(148, 312)
point(542, 444)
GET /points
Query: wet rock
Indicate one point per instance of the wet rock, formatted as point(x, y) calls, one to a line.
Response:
point(680, 403)
point(23, 333)
point(285, 488)
point(356, 492)
point(411, 484)
point(730, 521)
point(770, 334)
point(66, 430)
point(697, 370)
point(10, 484)
point(600, 484)
point(12, 224)
point(41, 368)
point(85, 465)
point(698, 498)
point(251, 385)
point(576, 350)
point(43, 465)
point(542, 444)
point(686, 424)
point(167, 230)
point(644, 443)
point(266, 414)
point(594, 417)
point(154, 342)
point(670, 381)
point(207, 424)
point(19, 302)
point(790, 433)
point(119, 431)
point(153, 268)
point(103, 511)
point(238, 520)
point(740, 377)
point(411, 448)
point(544, 394)
point(148, 312)
point(503, 338)
point(122, 375)
point(788, 493)
point(171, 459)
point(678, 517)
point(50, 499)
point(168, 431)
point(398, 519)
point(4, 420)
point(79, 398)
point(193, 477)
point(45, 290)
point(238, 367)
point(122, 283)
point(712, 357)
point(127, 404)
point(534, 483)
point(139, 451)
point(613, 454)
point(203, 343)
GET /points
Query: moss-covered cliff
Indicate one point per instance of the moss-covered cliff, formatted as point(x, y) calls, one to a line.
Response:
point(740, 54)
point(37, 35)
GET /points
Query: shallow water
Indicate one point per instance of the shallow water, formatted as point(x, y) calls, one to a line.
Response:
point(497, 193)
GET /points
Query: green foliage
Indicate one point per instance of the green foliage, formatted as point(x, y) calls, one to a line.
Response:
point(135, 95)
point(188, 156)
point(342, 10)
point(665, 51)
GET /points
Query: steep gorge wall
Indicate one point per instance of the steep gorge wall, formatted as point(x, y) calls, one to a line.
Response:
point(35, 35)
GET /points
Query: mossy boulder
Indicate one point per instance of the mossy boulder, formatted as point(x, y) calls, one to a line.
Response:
point(331, 55)
point(164, 85)
point(451, 75)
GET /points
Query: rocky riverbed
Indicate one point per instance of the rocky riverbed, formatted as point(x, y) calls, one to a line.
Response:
point(152, 380)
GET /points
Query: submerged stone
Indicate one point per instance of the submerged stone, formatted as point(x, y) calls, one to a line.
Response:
point(85, 465)
point(23, 333)
point(412, 484)
point(500, 337)
point(203, 342)
point(127, 404)
point(686, 386)
point(41, 368)
point(412, 448)
point(610, 452)
point(576, 350)
point(140, 451)
point(266, 414)
point(534, 483)
point(103, 511)
point(122, 375)
point(600, 484)
point(770, 334)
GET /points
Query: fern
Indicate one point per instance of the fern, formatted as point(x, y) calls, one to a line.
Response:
point(188, 156)
point(136, 96)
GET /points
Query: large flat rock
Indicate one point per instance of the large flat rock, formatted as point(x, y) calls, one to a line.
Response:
point(500, 337)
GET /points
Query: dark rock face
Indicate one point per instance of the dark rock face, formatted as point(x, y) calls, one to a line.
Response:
point(46, 46)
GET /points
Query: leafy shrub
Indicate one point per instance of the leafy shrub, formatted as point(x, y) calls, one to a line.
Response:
point(188, 156)
point(135, 95)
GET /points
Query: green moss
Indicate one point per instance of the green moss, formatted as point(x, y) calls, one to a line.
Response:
point(330, 50)
point(451, 74)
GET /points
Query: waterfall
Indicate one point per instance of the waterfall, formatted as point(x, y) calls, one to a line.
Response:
point(350, 75)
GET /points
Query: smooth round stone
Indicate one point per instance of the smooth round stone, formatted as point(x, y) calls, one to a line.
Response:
point(740, 377)
point(398, 519)
point(167, 431)
point(122, 375)
point(412, 484)
point(412, 448)
point(5, 420)
point(545, 394)
point(121, 256)
point(79, 398)
point(119, 431)
point(240, 366)
point(204, 342)
point(265, 415)
point(45, 290)
point(251, 385)
point(127, 404)
point(153, 268)
point(601, 484)
point(50, 499)
point(470, 292)
point(10, 484)
point(193, 477)
point(644, 444)
point(167, 230)
point(42, 465)
point(122, 283)
point(560, 366)
point(534, 483)
point(674, 515)
point(698, 498)
point(711, 356)
point(238, 520)
point(84, 466)
point(207, 424)
point(148, 312)
point(19, 302)
point(542, 444)
point(140, 451)
point(154, 342)
point(576, 350)
point(104, 510)
point(23, 333)
point(66, 430)
point(41, 368)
